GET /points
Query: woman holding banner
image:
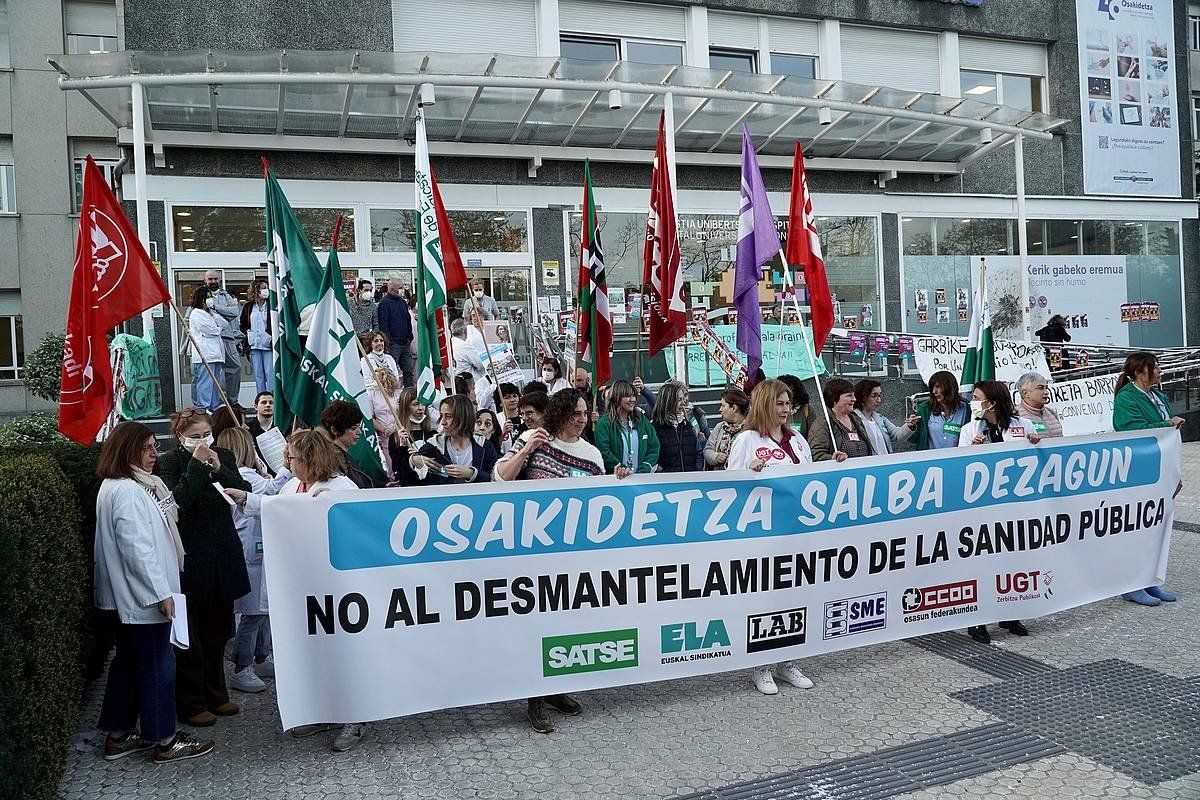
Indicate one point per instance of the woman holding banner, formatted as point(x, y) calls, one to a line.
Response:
point(453, 456)
point(1139, 405)
point(734, 407)
point(847, 438)
point(678, 440)
point(316, 463)
point(625, 438)
point(556, 451)
point(994, 420)
point(943, 415)
point(415, 427)
point(769, 442)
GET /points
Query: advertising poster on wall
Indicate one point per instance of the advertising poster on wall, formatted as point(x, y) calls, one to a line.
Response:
point(1126, 81)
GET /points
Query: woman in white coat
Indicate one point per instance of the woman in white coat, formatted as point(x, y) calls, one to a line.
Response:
point(316, 464)
point(138, 556)
point(252, 642)
point(769, 442)
point(207, 347)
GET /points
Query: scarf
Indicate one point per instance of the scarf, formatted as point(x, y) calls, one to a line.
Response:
point(675, 420)
point(166, 506)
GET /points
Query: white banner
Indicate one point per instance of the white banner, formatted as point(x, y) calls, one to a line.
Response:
point(392, 602)
point(1127, 96)
point(1013, 359)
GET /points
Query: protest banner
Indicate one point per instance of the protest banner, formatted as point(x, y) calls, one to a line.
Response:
point(1013, 359)
point(394, 602)
point(795, 358)
point(1085, 405)
point(142, 398)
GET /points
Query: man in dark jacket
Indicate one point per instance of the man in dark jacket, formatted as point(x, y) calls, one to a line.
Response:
point(396, 325)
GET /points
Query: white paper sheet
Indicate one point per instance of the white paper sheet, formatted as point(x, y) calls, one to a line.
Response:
point(179, 625)
point(271, 443)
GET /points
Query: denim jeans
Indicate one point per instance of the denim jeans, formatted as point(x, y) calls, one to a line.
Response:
point(204, 391)
point(253, 640)
point(141, 683)
point(263, 364)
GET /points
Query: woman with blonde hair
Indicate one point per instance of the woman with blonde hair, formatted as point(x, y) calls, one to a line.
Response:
point(769, 442)
point(384, 395)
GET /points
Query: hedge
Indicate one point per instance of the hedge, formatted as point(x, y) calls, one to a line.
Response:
point(42, 601)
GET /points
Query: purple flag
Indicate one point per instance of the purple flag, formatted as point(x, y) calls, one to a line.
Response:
point(757, 243)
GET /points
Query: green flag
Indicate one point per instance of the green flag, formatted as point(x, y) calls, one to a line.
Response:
point(330, 369)
point(295, 278)
point(980, 361)
point(431, 275)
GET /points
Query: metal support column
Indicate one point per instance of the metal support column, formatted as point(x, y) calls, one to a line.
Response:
point(1022, 237)
point(139, 186)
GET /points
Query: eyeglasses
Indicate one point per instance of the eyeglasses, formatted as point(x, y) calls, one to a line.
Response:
point(191, 411)
point(151, 448)
point(288, 458)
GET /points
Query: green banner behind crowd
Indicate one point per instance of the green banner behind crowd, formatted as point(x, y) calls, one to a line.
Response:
point(143, 388)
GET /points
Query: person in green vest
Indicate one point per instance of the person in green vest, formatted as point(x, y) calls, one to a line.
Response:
point(625, 437)
point(943, 415)
point(1139, 405)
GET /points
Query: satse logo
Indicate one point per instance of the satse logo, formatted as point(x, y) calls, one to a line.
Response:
point(942, 600)
point(1013, 586)
point(855, 615)
point(589, 652)
point(776, 629)
point(684, 641)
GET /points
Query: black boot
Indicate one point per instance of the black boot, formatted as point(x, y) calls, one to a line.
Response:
point(564, 704)
point(1016, 627)
point(539, 719)
point(979, 633)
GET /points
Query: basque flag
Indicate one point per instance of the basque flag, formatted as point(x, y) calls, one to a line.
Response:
point(595, 324)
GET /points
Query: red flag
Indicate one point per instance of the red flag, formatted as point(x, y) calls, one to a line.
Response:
point(113, 280)
point(661, 267)
point(452, 264)
point(804, 250)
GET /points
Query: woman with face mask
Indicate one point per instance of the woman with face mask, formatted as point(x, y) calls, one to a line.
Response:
point(552, 376)
point(207, 347)
point(414, 428)
point(256, 325)
point(215, 572)
point(452, 456)
point(377, 357)
point(487, 428)
point(993, 420)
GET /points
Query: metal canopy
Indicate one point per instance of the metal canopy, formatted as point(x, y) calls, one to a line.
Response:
point(525, 105)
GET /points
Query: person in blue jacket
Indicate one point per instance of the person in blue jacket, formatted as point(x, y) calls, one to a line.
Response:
point(396, 324)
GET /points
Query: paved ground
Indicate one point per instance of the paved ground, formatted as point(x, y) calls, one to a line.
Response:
point(1102, 701)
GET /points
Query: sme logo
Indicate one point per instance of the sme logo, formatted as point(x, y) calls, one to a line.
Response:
point(589, 652)
point(867, 612)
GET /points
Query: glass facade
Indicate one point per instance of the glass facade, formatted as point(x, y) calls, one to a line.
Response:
point(240, 229)
point(392, 231)
point(1078, 260)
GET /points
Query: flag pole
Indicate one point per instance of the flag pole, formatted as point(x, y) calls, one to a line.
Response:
point(187, 332)
point(809, 350)
point(488, 351)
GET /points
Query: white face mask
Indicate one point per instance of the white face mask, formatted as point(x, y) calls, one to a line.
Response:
point(364, 296)
point(264, 293)
point(479, 294)
point(977, 409)
point(191, 444)
point(547, 376)
point(480, 439)
point(210, 303)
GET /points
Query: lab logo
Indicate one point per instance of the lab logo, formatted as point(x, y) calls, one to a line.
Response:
point(1031, 585)
point(776, 629)
point(1110, 7)
point(589, 652)
point(852, 615)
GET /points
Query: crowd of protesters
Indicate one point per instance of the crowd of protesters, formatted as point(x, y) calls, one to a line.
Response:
point(187, 520)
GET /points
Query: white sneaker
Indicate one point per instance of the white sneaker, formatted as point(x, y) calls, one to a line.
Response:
point(349, 737)
point(764, 682)
point(792, 674)
point(246, 681)
point(266, 669)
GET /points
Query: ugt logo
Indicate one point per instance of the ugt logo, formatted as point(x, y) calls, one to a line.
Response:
point(1110, 7)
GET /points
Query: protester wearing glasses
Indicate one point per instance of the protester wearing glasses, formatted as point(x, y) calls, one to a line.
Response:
point(316, 464)
point(215, 574)
point(1139, 404)
point(624, 436)
point(343, 421)
point(452, 456)
point(139, 554)
point(557, 450)
point(767, 443)
point(678, 443)
point(885, 435)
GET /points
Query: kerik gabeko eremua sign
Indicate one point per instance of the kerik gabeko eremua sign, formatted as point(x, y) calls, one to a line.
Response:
point(392, 602)
point(1130, 119)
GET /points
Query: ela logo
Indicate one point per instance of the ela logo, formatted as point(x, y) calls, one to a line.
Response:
point(776, 629)
point(589, 652)
point(680, 636)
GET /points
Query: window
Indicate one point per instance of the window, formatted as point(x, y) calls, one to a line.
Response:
point(1196, 116)
point(1193, 33)
point(737, 60)
point(1019, 91)
point(591, 48)
point(12, 348)
point(4, 62)
point(107, 169)
point(90, 26)
point(798, 66)
point(8, 189)
point(474, 231)
point(240, 229)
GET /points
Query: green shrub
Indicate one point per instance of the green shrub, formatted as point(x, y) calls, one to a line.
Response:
point(42, 600)
point(34, 428)
point(42, 373)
